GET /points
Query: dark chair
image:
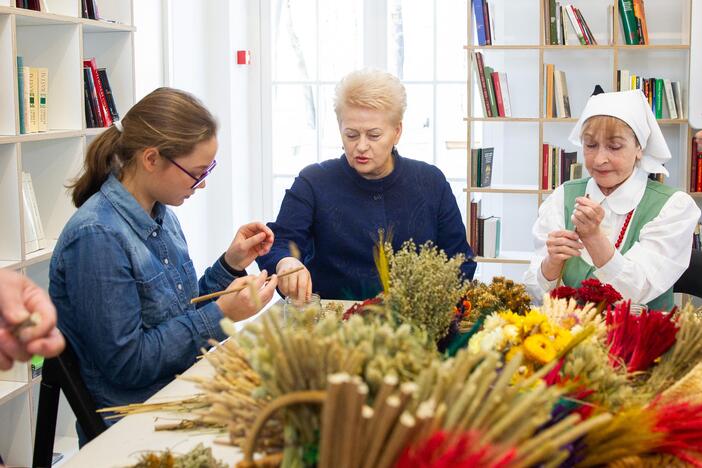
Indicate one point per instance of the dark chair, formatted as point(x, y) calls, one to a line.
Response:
point(691, 281)
point(62, 373)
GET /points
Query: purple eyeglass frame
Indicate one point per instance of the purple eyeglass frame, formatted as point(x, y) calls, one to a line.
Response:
point(198, 180)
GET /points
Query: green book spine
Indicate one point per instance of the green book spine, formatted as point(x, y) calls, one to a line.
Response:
point(491, 91)
point(629, 23)
point(552, 22)
point(659, 98)
point(479, 175)
point(20, 92)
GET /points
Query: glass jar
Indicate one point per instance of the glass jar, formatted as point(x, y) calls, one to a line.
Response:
point(292, 305)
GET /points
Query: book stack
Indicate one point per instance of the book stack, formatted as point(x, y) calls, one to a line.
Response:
point(557, 17)
point(484, 233)
point(494, 91)
point(100, 108)
point(32, 93)
point(36, 5)
point(696, 168)
point(557, 103)
point(633, 16)
point(89, 9)
point(657, 90)
point(483, 26)
point(481, 167)
point(559, 166)
point(33, 227)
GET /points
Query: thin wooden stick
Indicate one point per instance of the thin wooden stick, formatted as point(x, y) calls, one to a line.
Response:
point(213, 295)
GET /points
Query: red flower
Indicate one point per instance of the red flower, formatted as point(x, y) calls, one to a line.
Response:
point(443, 450)
point(592, 290)
point(638, 340)
point(360, 307)
point(564, 292)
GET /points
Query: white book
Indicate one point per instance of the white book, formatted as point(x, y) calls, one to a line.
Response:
point(491, 237)
point(559, 30)
point(505, 94)
point(33, 126)
point(31, 239)
point(624, 80)
point(574, 22)
point(566, 98)
point(669, 98)
point(677, 96)
point(30, 197)
point(558, 94)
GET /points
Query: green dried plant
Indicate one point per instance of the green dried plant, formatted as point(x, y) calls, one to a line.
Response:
point(425, 286)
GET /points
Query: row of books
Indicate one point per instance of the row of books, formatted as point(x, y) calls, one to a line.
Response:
point(559, 166)
point(89, 9)
point(696, 237)
point(33, 227)
point(633, 16)
point(657, 91)
point(36, 5)
point(100, 108)
point(32, 93)
point(494, 91)
point(483, 25)
point(484, 233)
point(556, 24)
point(696, 168)
point(556, 93)
point(481, 167)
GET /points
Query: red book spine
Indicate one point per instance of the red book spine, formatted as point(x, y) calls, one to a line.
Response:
point(693, 167)
point(483, 84)
point(580, 24)
point(486, 16)
point(104, 110)
point(544, 167)
point(699, 173)
point(498, 94)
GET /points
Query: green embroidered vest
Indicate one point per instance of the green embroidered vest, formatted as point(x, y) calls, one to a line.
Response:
point(655, 196)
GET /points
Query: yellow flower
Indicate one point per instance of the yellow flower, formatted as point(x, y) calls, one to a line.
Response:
point(539, 348)
point(561, 338)
point(512, 318)
point(533, 320)
point(513, 352)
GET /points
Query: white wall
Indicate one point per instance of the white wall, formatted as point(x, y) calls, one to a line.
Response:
point(201, 55)
point(149, 46)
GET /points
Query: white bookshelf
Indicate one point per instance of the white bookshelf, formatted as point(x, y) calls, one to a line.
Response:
point(59, 40)
point(519, 50)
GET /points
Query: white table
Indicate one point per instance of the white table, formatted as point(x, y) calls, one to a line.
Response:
point(122, 444)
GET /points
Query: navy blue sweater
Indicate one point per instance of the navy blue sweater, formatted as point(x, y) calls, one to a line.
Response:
point(333, 215)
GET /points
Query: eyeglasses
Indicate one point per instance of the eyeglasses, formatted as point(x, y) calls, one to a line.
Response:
point(198, 180)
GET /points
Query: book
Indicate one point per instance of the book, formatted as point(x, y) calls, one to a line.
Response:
point(504, 89)
point(479, 14)
point(659, 98)
point(37, 362)
point(34, 231)
point(26, 97)
point(108, 93)
point(474, 163)
point(484, 95)
point(669, 99)
point(491, 92)
point(629, 23)
point(589, 37)
point(549, 90)
point(33, 100)
point(488, 28)
point(568, 158)
point(553, 32)
point(495, 76)
point(677, 97)
point(576, 24)
point(42, 97)
point(102, 100)
point(640, 14)
point(93, 100)
point(20, 93)
point(491, 237)
point(486, 166)
point(576, 171)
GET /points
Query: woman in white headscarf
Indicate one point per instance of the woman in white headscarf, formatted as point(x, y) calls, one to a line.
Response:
point(618, 225)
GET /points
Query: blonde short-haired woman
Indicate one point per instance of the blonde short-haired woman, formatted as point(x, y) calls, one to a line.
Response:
point(334, 209)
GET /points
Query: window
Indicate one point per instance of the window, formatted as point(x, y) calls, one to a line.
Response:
point(316, 42)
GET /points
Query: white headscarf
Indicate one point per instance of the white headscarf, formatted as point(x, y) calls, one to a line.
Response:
point(633, 108)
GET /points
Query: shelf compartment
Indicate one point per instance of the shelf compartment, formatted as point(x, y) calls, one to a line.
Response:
point(56, 47)
point(10, 202)
point(114, 52)
point(53, 164)
point(8, 76)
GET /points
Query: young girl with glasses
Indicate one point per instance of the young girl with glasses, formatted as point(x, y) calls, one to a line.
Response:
point(121, 276)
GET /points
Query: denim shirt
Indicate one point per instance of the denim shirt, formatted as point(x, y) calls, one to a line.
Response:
point(122, 283)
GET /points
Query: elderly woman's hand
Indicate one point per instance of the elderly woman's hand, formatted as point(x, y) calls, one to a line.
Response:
point(587, 217)
point(297, 285)
point(560, 245)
